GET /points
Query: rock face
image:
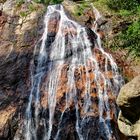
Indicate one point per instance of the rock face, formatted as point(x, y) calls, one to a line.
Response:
point(129, 103)
point(62, 87)
point(18, 35)
point(109, 26)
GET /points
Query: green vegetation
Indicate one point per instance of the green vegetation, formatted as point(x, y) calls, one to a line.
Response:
point(119, 10)
point(122, 4)
point(48, 1)
point(130, 39)
point(79, 9)
point(42, 1)
point(19, 2)
point(125, 13)
point(55, 1)
point(128, 13)
point(23, 14)
point(32, 8)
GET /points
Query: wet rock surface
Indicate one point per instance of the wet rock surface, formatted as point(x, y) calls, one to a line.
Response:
point(110, 25)
point(19, 36)
point(65, 119)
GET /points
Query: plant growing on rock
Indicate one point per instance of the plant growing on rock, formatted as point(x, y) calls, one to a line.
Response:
point(23, 14)
point(19, 2)
point(131, 38)
point(80, 9)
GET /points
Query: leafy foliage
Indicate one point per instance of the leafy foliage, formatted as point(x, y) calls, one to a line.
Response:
point(23, 14)
point(123, 4)
point(80, 8)
point(131, 38)
point(32, 8)
point(19, 2)
point(125, 13)
point(48, 1)
point(55, 1)
point(41, 1)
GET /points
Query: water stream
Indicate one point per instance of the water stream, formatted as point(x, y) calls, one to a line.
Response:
point(66, 49)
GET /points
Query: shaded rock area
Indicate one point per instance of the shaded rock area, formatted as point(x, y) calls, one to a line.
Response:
point(18, 35)
point(129, 103)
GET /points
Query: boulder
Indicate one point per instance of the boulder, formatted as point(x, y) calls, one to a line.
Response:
point(9, 7)
point(129, 103)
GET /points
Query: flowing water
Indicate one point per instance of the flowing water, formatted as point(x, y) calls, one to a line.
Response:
point(67, 58)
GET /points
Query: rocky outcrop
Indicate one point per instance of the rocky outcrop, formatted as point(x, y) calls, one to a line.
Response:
point(6, 115)
point(109, 26)
point(129, 103)
point(20, 28)
point(65, 117)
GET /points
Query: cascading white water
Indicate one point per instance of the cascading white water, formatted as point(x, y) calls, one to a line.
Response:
point(70, 46)
point(106, 81)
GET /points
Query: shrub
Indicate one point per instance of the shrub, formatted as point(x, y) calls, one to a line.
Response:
point(19, 2)
point(23, 14)
point(48, 1)
point(122, 4)
point(32, 7)
point(131, 38)
point(80, 9)
point(55, 1)
point(125, 13)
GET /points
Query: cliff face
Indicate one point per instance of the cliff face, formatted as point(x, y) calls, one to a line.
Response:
point(110, 25)
point(21, 26)
point(19, 34)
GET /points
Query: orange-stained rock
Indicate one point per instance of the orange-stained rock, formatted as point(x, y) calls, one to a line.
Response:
point(65, 95)
point(109, 74)
point(3, 20)
point(5, 116)
point(101, 34)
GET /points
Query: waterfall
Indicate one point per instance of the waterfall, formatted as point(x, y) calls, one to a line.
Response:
point(71, 72)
